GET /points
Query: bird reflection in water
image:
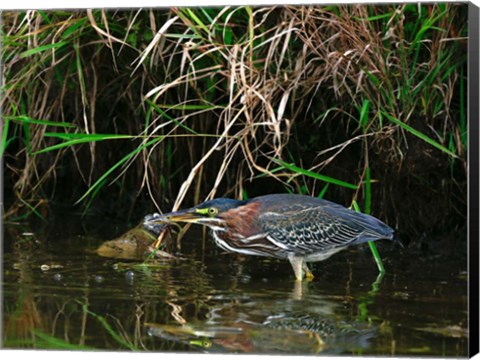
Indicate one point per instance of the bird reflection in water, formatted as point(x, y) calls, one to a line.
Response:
point(295, 333)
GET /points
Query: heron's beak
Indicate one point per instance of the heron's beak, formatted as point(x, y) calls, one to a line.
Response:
point(187, 215)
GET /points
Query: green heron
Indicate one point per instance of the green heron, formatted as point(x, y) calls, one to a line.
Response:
point(295, 227)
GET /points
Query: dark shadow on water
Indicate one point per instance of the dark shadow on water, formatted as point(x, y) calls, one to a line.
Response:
point(58, 294)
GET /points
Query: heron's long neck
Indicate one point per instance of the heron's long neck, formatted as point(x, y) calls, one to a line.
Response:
point(239, 244)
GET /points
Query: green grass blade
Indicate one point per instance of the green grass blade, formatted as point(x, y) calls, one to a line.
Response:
point(324, 190)
point(119, 163)
point(92, 196)
point(272, 171)
point(3, 144)
point(355, 206)
point(29, 120)
point(110, 330)
point(72, 29)
point(313, 175)
point(51, 342)
point(373, 18)
point(187, 107)
point(197, 20)
point(163, 113)
point(33, 210)
point(377, 257)
point(44, 16)
point(372, 245)
point(92, 137)
point(419, 135)
point(65, 144)
point(427, 25)
point(39, 49)
point(80, 139)
point(207, 15)
point(364, 114)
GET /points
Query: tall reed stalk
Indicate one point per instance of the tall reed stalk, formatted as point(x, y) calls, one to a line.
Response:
point(119, 109)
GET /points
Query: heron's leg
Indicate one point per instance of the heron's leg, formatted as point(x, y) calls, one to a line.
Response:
point(308, 273)
point(297, 265)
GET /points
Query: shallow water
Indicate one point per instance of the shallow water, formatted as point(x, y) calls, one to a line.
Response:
point(57, 293)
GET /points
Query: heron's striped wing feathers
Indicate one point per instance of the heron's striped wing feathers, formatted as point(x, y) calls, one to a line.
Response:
point(315, 229)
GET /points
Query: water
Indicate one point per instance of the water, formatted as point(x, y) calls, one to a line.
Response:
point(58, 293)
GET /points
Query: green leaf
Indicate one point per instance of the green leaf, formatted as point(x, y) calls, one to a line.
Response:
point(197, 20)
point(42, 48)
point(377, 257)
point(113, 334)
point(207, 15)
point(372, 78)
point(118, 164)
point(324, 190)
point(227, 35)
point(419, 135)
point(364, 114)
point(3, 144)
point(26, 119)
point(427, 25)
point(74, 27)
point(376, 17)
point(163, 113)
point(186, 106)
point(92, 137)
point(33, 210)
point(314, 175)
point(373, 247)
point(44, 16)
point(56, 343)
point(75, 139)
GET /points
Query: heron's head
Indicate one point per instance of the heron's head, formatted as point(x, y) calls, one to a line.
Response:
point(211, 213)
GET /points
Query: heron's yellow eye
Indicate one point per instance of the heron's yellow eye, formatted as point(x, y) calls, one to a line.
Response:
point(212, 211)
point(206, 343)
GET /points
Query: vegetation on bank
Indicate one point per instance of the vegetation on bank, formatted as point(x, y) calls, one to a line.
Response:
point(128, 111)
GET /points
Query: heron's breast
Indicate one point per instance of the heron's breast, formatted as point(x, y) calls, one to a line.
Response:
point(242, 221)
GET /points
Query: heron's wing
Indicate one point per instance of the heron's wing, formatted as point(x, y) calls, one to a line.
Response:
point(315, 229)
